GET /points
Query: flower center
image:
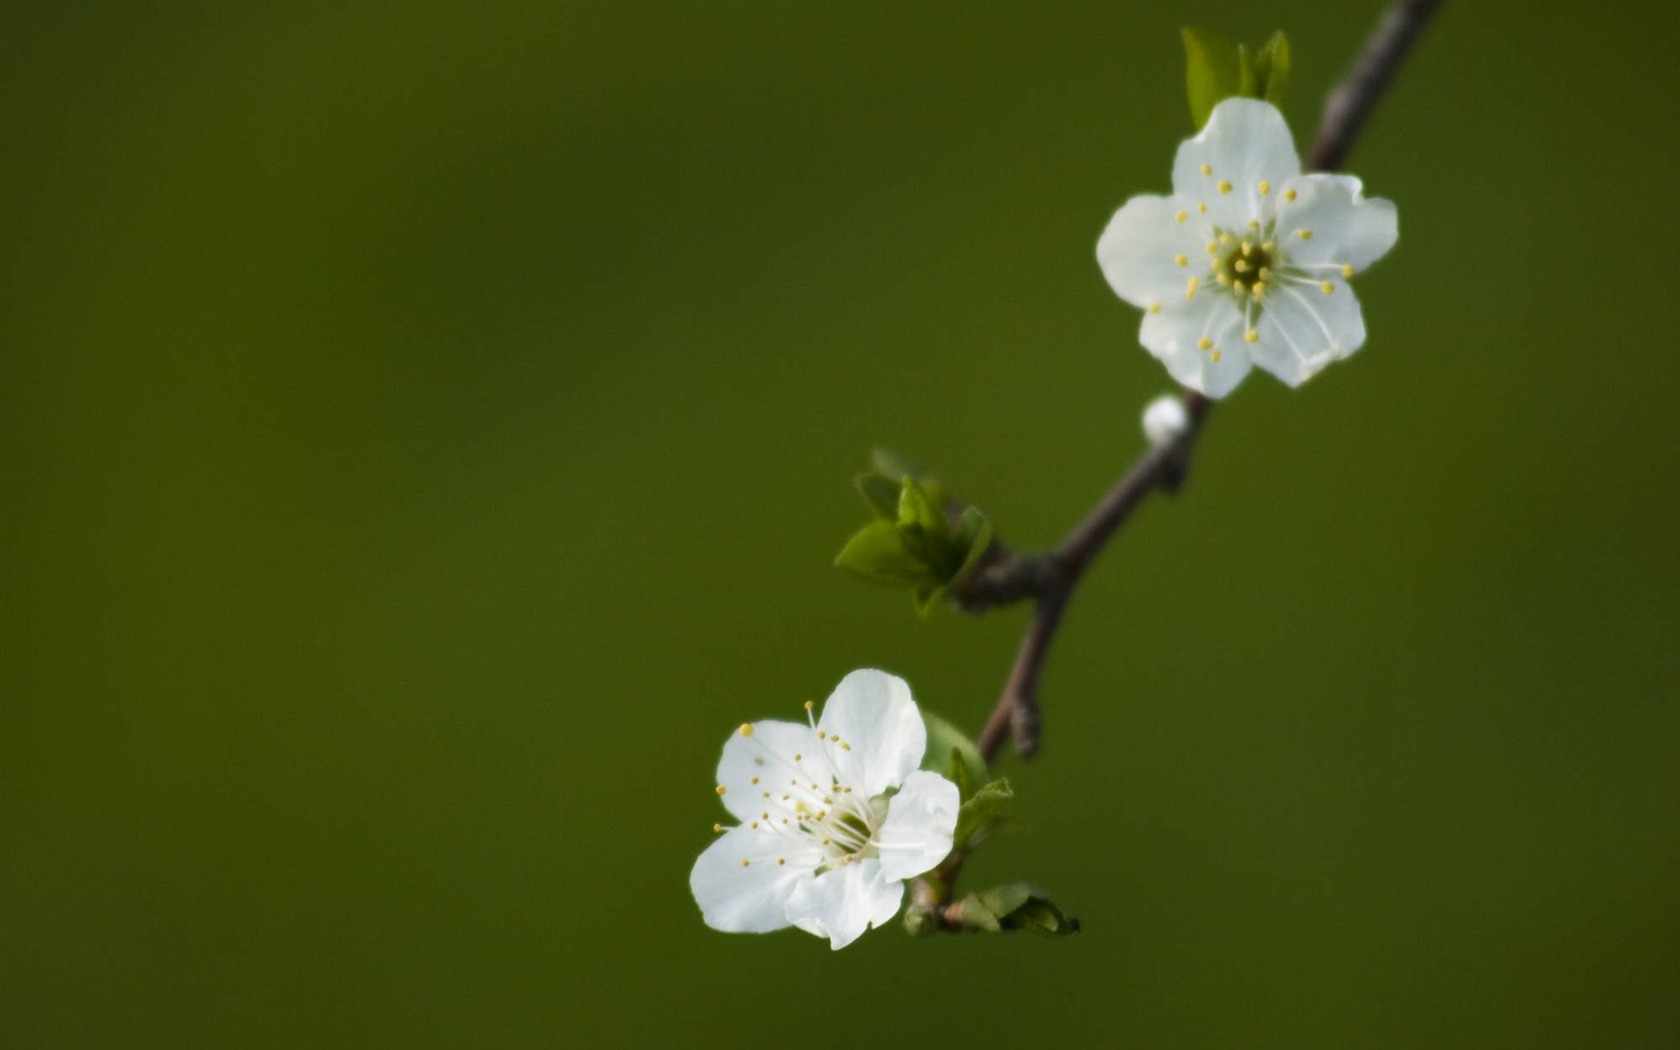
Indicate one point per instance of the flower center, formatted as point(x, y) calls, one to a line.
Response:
point(1245, 264)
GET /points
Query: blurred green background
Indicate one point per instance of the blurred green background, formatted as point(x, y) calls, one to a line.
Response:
point(425, 431)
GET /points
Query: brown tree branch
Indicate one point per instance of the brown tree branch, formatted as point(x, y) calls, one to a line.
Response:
point(1009, 576)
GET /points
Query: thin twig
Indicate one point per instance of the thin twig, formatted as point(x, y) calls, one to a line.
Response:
point(1051, 578)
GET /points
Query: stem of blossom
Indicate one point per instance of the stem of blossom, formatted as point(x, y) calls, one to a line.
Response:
point(1051, 578)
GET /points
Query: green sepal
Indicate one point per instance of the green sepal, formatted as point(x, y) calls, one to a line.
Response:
point(926, 599)
point(1015, 906)
point(953, 755)
point(987, 813)
point(878, 552)
point(881, 493)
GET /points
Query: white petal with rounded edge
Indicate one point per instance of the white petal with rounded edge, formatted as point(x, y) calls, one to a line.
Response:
point(768, 755)
point(750, 899)
point(921, 819)
point(1346, 227)
point(1319, 328)
point(1139, 248)
point(874, 713)
point(1244, 143)
point(1174, 335)
point(844, 901)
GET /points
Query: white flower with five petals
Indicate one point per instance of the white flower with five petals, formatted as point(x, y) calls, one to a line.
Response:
point(1247, 262)
point(834, 817)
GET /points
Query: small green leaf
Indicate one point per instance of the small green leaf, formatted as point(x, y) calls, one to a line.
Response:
point(974, 535)
point(926, 599)
point(881, 493)
point(916, 507)
point(951, 753)
point(1022, 906)
point(877, 552)
point(1213, 72)
point(987, 813)
point(1248, 77)
point(895, 466)
point(1272, 62)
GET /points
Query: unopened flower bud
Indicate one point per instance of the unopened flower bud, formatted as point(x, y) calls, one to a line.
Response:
point(1165, 419)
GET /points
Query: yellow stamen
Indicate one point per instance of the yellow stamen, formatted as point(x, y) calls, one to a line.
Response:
point(1190, 288)
point(1347, 269)
point(1201, 208)
point(1204, 343)
point(1182, 260)
point(1206, 170)
point(745, 863)
point(721, 789)
point(1251, 336)
point(746, 729)
point(1218, 356)
point(1265, 187)
point(1305, 235)
point(1154, 308)
point(1326, 287)
point(1180, 216)
point(1224, 186)
point(1289, 195)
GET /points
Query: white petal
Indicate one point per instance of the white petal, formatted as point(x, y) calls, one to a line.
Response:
point(768, 754)
point(1139, 249)
point(1245, 142)
point(1303, 329)
point(920, 822)
point(750, 898)
point(1174, 335)
point(844, 901)
point(873, 712)
point(1346, 227)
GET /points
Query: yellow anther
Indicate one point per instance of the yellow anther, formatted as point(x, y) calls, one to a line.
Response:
point(746, 729)
point(1182, 260)
point(1237, 286)
point(1241, 266)
point(1206, 170)
point(1201, 208)
point(1226, 239)
point(745, 863)
point(764, 816)
point(825, 842)
point(1224, 186)
point(821, 735)
point(717, 828)
point(1218, 356)
point(1268, 246)
point(1222, 277)
point(1265, 273)
point(1204, 343)
point(1251, 336)
point(1326, 287)
point(797, 757)
point(765, 795)
point(1254, 224)
point(1180, 216)
point(1154, 308)
point(1259, 289)
point(846, 747)
point(755, 780)
point(1246, 248)
point(781, 860)
point(1289, 195)
point(1213, 248)
point(786, 797)
point(810, 704)
point(1347, 269)
point(1305, 235)
point(721, 789)
point(1190, 288)
point(1265, 187)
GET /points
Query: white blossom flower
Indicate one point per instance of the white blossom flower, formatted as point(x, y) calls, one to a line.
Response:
point(1164, 419)
point(1247, 262)
point(834, 817)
